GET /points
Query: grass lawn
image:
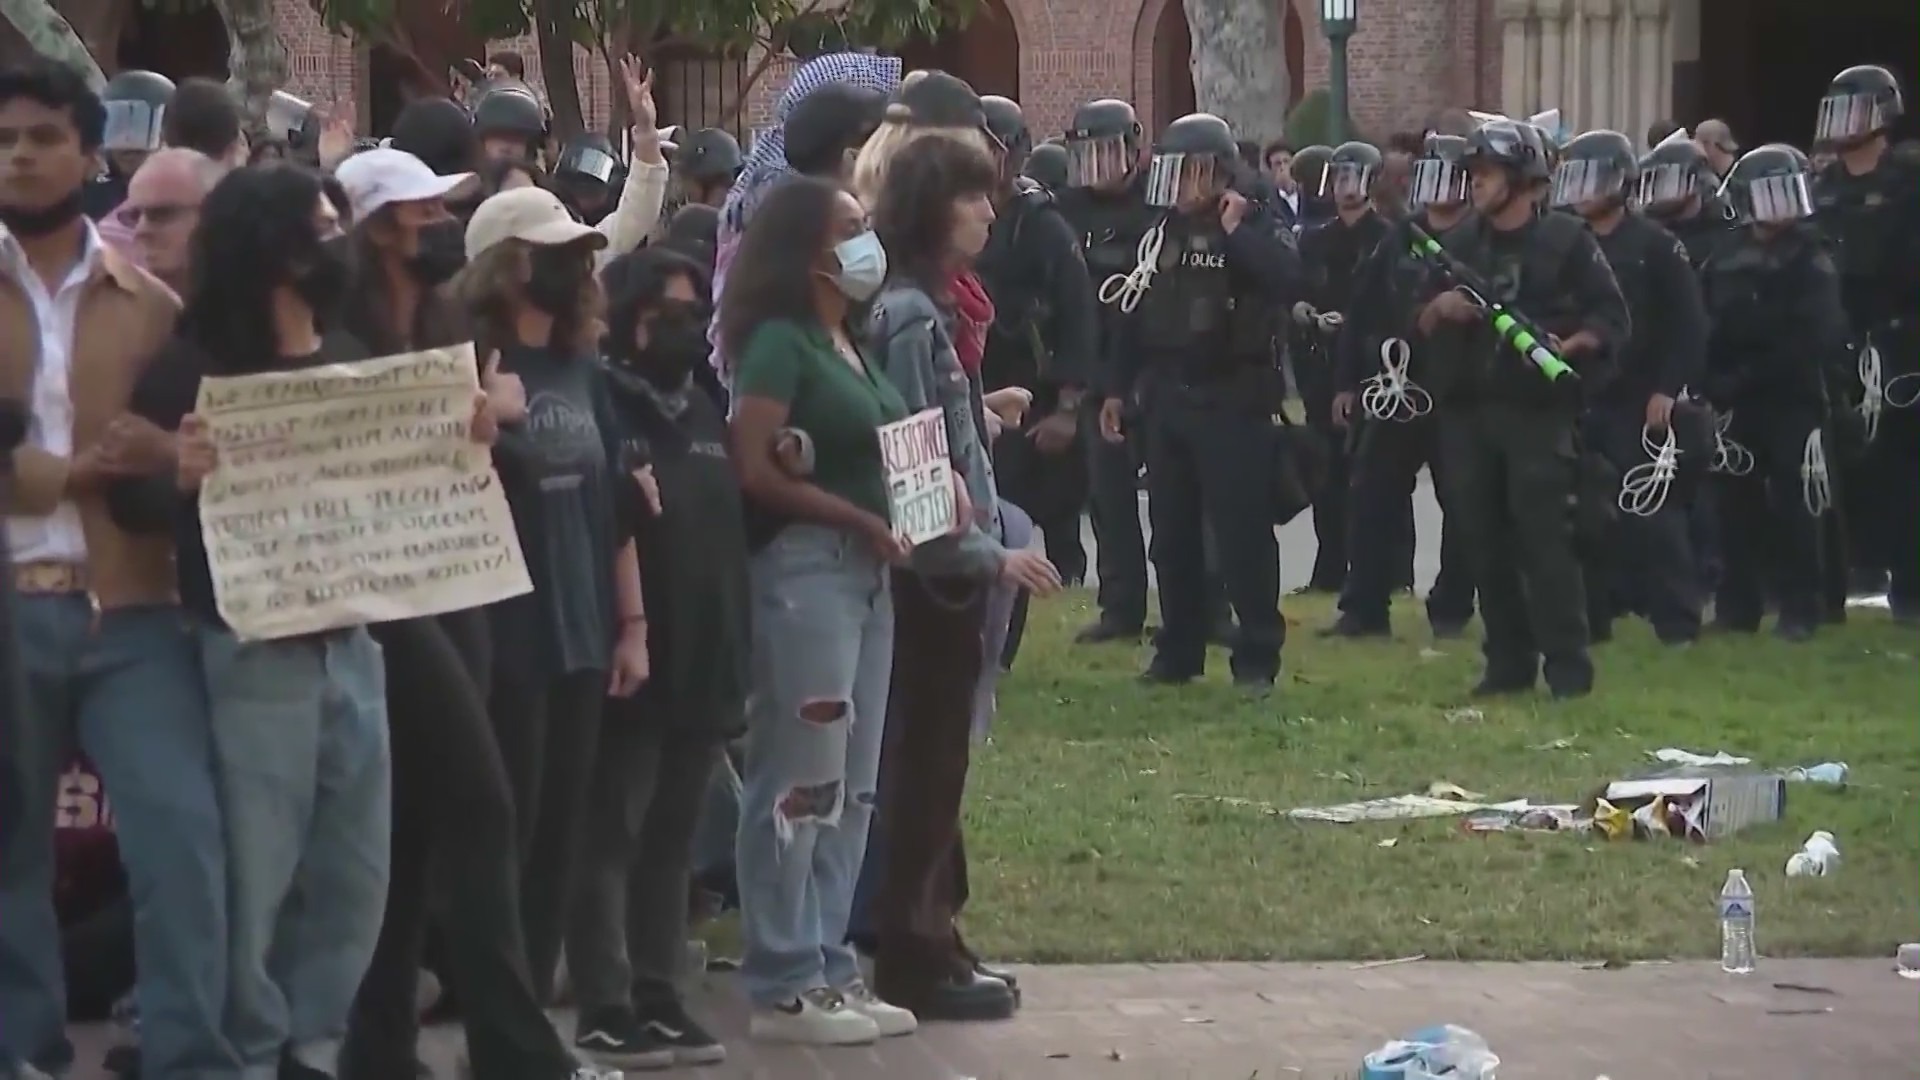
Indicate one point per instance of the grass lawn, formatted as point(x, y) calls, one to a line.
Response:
point(1082, 852)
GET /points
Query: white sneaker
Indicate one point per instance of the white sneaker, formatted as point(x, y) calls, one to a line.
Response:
point(819, 1017)
point(892, 1020)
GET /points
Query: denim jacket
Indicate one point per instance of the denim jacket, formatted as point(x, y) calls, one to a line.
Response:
point(911, 336)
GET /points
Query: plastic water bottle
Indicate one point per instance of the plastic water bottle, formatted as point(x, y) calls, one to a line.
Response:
point(1736, 924)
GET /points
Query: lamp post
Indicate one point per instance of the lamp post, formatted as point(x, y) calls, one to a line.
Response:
point(1338, 18)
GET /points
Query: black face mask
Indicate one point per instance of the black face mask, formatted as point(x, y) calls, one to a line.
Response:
point(47, 219)
point(323, 281)
point(440, 251)
point(676, 344)
point(559, 276)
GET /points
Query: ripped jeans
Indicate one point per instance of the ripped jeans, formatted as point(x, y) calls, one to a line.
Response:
point(822, 660)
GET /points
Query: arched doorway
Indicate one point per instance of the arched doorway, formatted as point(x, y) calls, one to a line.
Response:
point(1765, 63)
point(178, 41)
point(985, 52)
point(1173, 95)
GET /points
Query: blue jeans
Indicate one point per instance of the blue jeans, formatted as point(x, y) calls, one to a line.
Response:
point(300, 735)
point(823, 656)
point(129, 691)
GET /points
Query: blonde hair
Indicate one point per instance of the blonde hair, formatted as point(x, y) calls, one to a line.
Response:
point(491, 287)
point(895, 133)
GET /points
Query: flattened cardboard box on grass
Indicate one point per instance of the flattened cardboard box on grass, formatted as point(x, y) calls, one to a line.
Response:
point(1700, 804)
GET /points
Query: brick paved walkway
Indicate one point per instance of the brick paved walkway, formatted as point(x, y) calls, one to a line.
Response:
point(1313, 1022)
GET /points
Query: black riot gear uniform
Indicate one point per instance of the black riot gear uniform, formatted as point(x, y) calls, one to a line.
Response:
point(1773, 294)
point(1198, 309)
point(1047, 166)
point(1510, 436)
point(1869, 210)
point(1645, 564)
point(507, 109)
point(1103, 204)
point(1676, 188)
point(1331, 254)
point(589, 175)
point(1860, 102)
point(1103, 143)
point(1008, 126)
point(136, 105)
point(1379, 371)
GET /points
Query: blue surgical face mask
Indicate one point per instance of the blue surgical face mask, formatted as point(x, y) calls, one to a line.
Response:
point(863, 266)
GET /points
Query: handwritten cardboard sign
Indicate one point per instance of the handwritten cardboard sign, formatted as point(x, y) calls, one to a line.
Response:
point(919, 476)
point(351, 493)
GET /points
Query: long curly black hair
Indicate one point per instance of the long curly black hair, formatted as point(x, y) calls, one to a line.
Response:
point(771, 276)
point(256, 228)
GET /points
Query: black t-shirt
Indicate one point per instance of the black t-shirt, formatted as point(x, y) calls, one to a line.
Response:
point(693, 556)
point(557, 468)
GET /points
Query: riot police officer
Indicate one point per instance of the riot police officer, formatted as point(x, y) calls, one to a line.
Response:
point(510, 122)
point(589, 175)
point(136, 104)
point(1047, 165)
point(1331, 253)
point(1309, 170)
point(1104, 204)
point(1379, 379)
point(1508, 425)
point(707, 163)
point(1633, 421)
point(1045, 337)
point(1199, 303)
point(1677, 189)
point(1773, 294)
point(1868, 204)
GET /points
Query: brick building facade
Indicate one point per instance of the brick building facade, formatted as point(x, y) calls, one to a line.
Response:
point(1409, 58)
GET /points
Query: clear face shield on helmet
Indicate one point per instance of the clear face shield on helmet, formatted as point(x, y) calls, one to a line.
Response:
point(587, 161)
point(1849, 116)
point(1666, 185)
point(1437, 182)
point(1097, 160)
point(1347, 180)
point(1584, 180)
point(133, 125)
point(1175, 180)
point(1774, 200)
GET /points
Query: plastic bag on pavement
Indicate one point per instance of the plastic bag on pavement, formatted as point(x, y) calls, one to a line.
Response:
point(1445, 1052)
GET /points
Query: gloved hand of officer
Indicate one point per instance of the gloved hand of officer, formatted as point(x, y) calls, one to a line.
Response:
point(1233, 209)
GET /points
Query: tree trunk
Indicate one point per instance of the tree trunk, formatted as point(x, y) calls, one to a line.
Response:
point(52, 36)
point(552, 24)
point(255, 55)
point(1240, 65)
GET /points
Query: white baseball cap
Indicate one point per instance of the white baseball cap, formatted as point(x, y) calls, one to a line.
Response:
point(378, 177)
point(532, 214)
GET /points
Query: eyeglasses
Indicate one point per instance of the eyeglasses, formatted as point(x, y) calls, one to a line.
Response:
point(160, 216)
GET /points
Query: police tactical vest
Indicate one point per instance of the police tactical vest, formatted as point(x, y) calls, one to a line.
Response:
point(1871, 223)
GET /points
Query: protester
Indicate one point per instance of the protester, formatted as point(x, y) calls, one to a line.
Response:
point(823, 633)
point(299, 724)
point(928, 328)
point(97, 634)
point(163, 209)
point(658, 749)
point(581, 634)
point(204, 116)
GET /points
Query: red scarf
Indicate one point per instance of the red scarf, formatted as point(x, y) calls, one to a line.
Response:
point(973, 315)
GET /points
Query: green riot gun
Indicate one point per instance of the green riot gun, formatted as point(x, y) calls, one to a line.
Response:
point(1514, 329)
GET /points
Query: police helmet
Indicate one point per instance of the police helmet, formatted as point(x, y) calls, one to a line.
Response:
point(509, 108)
point(1596, 165)
point(136, 103)
point(1511, 144)
point(709, 156)
point(589, 157)
point(1438, 177)
point(1350, 170)
point(1008, 125)
point(1671, 173)
point(1309, 168)
point(1768, 185)
point(1860, 102)
point(1195, 154)
point(1047, 166)
point(1103, 142)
